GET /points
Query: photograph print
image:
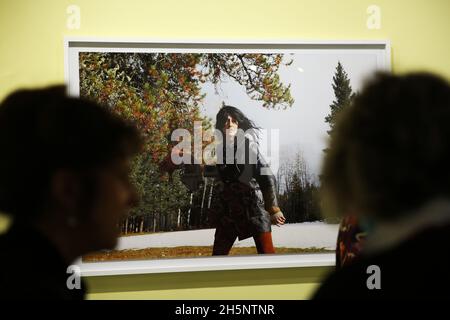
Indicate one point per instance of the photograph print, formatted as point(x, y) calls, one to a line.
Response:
point(233, 144)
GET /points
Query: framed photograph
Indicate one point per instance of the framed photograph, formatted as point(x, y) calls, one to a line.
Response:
point(199, 209)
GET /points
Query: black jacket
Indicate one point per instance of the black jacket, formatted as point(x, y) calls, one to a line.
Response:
point(246, 189)
point(32, 268)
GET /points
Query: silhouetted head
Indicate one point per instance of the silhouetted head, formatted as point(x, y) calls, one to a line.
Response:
point(65, 162)
point(390, 150)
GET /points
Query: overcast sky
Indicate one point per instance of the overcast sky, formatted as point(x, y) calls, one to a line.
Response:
point(301, 127)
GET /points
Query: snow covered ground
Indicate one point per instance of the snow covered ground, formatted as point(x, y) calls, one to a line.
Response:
point(295, 235)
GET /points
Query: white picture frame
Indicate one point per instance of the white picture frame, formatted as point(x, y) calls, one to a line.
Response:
point(74, 45)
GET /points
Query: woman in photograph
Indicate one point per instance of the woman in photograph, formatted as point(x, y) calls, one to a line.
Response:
point(246, 203)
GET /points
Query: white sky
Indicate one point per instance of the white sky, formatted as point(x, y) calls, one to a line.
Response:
point(302, 126)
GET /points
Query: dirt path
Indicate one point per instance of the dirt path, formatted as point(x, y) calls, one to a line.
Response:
point(184, 252)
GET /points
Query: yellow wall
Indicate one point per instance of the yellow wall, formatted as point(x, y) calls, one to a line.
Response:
point(31, 54)
point(290, 283)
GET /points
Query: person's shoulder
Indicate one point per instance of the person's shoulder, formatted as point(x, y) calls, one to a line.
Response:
point(346, 283)
point(31, 268)
point(411, 269)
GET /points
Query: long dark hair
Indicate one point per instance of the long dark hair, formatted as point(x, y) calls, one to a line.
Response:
point(244, 123)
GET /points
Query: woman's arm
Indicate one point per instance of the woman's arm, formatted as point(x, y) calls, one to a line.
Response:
point(268, 185)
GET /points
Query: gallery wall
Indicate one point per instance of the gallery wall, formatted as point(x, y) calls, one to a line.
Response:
point(31, 54)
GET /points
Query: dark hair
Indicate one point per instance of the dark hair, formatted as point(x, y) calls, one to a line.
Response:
point(43, 130)
point(390, 150)
point(243, 122)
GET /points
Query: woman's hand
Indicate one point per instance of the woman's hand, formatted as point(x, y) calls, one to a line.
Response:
point(278, 218)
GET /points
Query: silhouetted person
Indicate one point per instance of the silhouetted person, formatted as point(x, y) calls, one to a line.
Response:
point(388, 163)
point(64, 180)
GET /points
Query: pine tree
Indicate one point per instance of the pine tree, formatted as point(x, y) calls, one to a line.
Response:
point(343, 95)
